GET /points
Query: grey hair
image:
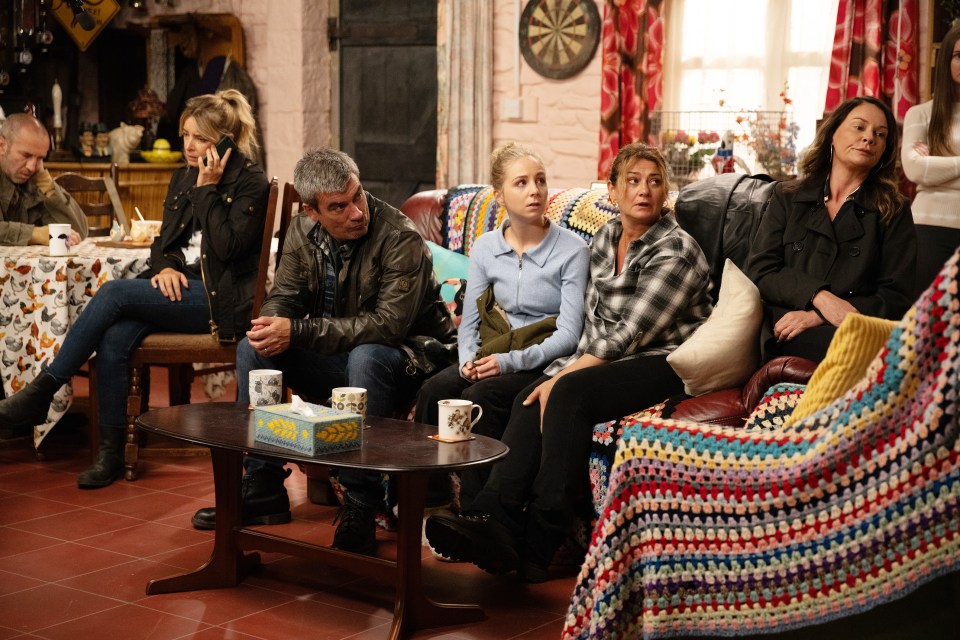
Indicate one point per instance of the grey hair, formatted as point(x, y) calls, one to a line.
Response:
point(323, 171)
point(16, 123)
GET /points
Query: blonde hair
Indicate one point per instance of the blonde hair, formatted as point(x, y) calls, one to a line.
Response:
point(503, 155)
point(224, 113)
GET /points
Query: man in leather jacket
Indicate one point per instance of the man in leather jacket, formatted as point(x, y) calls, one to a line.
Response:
point(354, 303)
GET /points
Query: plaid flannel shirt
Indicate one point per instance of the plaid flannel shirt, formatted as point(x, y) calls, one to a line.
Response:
point(656, 302)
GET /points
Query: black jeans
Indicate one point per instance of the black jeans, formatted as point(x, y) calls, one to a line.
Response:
point(495, 395)
point(537, 489)
point(936, 245)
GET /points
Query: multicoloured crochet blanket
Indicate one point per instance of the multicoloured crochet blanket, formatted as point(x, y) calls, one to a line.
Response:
point(710, 530)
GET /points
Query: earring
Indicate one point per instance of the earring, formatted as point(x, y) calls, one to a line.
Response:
point(831, 154)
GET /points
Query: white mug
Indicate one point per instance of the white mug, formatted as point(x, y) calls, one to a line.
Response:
point(59, 233)
point(266, 387)
point(351, 400)
point(456, 418)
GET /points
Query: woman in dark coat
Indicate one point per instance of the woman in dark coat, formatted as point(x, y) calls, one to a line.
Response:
point(838, 240)
point(203, 270)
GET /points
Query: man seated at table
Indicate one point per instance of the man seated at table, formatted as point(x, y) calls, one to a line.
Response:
point(354, 303)
point(29, 198)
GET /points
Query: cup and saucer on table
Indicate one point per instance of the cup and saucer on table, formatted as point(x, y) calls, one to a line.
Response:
point(456, 420)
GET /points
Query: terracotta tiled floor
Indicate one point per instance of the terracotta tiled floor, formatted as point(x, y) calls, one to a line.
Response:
point(74, 564)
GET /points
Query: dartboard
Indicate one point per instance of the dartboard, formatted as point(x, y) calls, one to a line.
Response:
point(558, 37)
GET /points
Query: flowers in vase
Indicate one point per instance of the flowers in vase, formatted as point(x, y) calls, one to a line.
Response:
point(686, 153)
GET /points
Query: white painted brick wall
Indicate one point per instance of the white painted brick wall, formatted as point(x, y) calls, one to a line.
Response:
point(287, 58)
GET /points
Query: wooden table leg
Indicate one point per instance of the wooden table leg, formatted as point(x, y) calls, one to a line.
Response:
point(227, 565)
point(413, 610)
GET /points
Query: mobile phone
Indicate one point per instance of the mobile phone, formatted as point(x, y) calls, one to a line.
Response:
point(226, 142)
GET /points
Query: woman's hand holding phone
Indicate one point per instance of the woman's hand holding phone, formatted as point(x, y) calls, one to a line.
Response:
point(213, 162)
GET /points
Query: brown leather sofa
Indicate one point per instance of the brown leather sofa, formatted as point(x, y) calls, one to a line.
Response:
point(728, 407)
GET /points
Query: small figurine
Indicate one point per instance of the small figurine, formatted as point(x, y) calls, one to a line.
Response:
point(86, 142)
point(123, 140)
point(102, 141)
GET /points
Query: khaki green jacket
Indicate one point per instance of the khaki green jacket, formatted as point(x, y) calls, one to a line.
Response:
point(23, 207)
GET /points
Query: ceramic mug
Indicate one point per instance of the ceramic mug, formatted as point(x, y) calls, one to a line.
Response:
point(59, 233)
point(456, 418)
point(350, 399)
point(266, 387)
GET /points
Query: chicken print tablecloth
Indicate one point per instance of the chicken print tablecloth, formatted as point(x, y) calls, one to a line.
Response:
point(42, 297)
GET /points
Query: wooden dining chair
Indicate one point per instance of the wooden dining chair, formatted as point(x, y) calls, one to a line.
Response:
point(99, 200)
point(179, 352)
point(319, 489)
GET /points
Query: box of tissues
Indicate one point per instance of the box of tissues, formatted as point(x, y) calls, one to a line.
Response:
point(308, 428)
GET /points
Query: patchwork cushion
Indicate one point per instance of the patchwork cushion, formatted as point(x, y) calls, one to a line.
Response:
point(455, 207)
point(483, 215)
point(583, 211)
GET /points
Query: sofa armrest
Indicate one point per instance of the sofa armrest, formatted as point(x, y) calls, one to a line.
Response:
point(731, 407)
point(425, 210)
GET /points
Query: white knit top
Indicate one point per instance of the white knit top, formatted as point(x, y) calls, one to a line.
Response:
point(937, 177)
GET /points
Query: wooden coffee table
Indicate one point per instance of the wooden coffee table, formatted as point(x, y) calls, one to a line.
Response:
point(402, 449)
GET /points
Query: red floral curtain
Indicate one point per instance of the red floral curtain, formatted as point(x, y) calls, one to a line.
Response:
point(875, 53)
point(631, 76)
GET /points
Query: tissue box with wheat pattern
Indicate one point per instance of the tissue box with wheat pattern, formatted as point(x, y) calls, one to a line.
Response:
point(326, 431)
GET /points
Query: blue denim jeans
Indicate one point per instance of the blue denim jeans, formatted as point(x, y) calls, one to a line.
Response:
point(113, 324)
point(378, 368)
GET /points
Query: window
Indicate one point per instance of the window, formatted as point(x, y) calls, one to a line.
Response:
point(743, 51)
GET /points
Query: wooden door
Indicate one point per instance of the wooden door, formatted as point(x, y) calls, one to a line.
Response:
point(388, 93)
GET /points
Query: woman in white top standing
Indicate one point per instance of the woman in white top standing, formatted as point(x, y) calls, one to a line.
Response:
point(931, 159)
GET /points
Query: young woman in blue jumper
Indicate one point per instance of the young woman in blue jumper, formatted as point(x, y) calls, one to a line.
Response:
point(647, 294)
point(537, 270)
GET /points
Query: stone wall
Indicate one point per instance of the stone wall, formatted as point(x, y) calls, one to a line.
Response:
point(288, 59)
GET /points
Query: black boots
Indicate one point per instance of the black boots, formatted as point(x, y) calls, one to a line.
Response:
point(264, 500)
point(356, 527)
point(27, 408)
point(109, 464)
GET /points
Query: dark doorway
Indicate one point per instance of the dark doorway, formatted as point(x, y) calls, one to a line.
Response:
point(388, 93)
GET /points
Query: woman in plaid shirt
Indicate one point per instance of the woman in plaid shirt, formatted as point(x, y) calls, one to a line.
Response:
point(647, 294)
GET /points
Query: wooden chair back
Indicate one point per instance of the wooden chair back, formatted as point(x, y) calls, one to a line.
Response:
point(290, 198)
point(99, 200)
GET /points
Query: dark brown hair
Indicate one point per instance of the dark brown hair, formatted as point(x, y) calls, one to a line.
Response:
point(944, 97)
point(639, 151)
point(880, 187)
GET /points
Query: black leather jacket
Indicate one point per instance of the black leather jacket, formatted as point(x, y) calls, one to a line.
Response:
point(387, 292)
point(230, 216)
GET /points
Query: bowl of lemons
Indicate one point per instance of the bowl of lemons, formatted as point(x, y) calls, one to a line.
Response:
point(161, 153)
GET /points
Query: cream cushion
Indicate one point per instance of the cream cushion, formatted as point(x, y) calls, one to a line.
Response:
point(725, 350)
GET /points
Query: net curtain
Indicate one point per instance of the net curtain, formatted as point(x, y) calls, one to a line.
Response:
point(631, 74)
point(875, 53)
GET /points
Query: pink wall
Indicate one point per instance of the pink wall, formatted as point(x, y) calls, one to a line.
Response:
point(561, 118)
point(287, 57)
